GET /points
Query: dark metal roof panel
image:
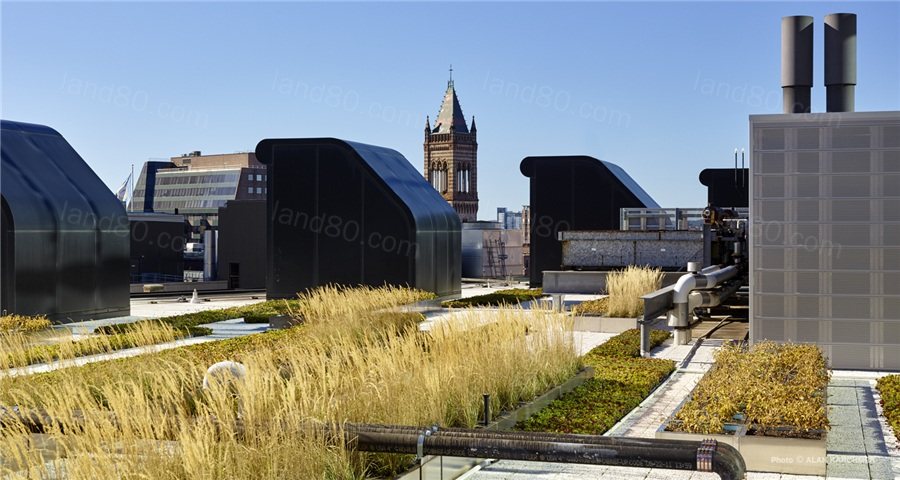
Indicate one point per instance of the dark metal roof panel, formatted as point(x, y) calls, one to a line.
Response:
point(429, 210)
point(71, 234)
point(575, 192)
point(527, 165)
point(430, 222)
point(630, 184)
point(726, 187)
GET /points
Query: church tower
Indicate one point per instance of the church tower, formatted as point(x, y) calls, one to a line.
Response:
point(451, 156)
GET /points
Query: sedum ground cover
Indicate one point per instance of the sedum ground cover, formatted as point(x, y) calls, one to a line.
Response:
point(622, 380)
point(512, 296)
point(782, 391)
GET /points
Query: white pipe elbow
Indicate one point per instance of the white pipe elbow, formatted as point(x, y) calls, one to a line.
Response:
point(683, 287)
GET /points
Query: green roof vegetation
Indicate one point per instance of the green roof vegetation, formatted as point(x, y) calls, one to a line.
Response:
point(889, 387)
point(512, 296)
point(775, 389)
point(622, 380)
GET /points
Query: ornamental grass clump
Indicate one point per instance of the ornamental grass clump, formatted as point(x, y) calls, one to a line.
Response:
point(23, 323)
point(19, 350)
point(626, 287)
point(776, 389)
point(149, 417)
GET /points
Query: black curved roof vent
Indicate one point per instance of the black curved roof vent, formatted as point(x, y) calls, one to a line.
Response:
point(348, 213)
point(65, 236)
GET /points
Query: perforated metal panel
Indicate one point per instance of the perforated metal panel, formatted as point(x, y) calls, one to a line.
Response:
point(825, 208)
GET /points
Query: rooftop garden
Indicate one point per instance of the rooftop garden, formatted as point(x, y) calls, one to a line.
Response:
point(350, 360)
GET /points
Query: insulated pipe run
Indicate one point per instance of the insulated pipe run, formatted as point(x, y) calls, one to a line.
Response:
point(681, 313)
point(645, 327)
point(712, 298)
point(591, 450)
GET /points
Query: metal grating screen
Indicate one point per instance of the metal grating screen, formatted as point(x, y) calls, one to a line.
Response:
point(826, 234)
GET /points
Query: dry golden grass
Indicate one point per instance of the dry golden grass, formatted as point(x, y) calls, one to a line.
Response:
point(19, 349)
point(151, 419)
point(626, 287)
point(23, 323)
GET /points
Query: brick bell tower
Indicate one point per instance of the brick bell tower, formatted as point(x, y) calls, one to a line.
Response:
point(451, 156)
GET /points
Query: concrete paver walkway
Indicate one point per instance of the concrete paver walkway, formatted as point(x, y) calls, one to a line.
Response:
point(859, 443)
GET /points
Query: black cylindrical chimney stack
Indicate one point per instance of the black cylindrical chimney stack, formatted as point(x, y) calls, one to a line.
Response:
point(840, 62)
point(797, 63)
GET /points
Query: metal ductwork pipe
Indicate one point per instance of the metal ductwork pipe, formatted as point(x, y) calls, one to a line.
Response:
point(840, 62)
point(712, 298)
point(681, 313)
point(797, 63)
point(681, 316)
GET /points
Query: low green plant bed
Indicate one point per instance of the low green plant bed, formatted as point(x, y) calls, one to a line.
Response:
point(626, 345)
point(774, 389)
point(889, 387)
point(256, 313)
point(622, 380)
point(592, 307)
point(125, 328)
point(511, 296)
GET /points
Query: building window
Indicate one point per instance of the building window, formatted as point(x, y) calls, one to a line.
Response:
point(250, 177)
point(250, 190)
point(258, 190)
point(259, 178)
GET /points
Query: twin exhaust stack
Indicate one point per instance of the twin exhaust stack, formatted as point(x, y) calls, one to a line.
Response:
point(797, 62)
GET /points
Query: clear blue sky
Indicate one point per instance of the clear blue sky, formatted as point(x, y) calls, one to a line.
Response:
point(662, 89)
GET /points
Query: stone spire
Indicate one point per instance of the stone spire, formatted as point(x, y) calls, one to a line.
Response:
point(450, 118)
